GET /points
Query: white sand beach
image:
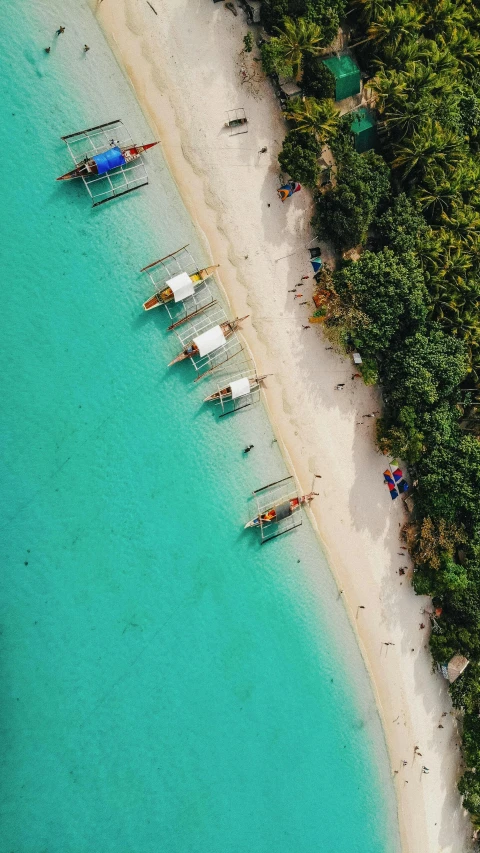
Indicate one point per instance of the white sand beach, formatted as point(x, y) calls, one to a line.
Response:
point(183, 59)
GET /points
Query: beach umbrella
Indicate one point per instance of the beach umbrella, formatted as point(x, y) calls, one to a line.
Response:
point(391, 485)
point(401, 484)
point(289, 189)
point(317, 264)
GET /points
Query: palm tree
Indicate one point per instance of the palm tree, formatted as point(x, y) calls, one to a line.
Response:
point(389, 87)
point(464, 222)
point(444, 16)
point(464, 46)
point(404, 119)
point(397, 25)
point(369, 10)
point(319, 118)
point(430, 147)
point(437, 193)
point(296, 39)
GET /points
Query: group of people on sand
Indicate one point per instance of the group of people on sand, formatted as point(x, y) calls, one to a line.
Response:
point(59, 32)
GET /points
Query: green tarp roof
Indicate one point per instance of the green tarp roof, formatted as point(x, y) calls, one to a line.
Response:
point(347, 76)
point(363, 128)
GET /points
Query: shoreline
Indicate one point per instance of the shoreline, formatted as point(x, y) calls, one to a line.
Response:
point(316, 426)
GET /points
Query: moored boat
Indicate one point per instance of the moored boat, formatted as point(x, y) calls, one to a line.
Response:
point(281, 511)
point(107, 160)
point(209, 341)
point(237, 388)
point(178, 288)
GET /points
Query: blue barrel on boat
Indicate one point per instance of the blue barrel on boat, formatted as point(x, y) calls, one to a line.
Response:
point(110, 159)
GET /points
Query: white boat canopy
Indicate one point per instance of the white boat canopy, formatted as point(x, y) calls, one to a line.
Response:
point(240, 387)
point(181, 286)
point(210, 341)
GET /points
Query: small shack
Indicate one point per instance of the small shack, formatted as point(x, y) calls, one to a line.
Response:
point(289, 88)
point(454, 668)
point(364, 130)
point(347, 76)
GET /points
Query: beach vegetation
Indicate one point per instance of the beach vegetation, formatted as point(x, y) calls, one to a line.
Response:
point(318, 81)
point(326, 13)
point(296, 39)
point(345, 213)
point(318, 118)
point(248, 43)
point(299, 157)
point(410, 302)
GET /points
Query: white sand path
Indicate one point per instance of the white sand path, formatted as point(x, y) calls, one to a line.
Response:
point(184, 65)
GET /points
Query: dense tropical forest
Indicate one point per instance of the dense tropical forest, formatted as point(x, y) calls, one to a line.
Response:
point(410, 303)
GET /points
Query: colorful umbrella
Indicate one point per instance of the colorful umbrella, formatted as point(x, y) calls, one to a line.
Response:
point(289, 189)
point(317, 264)
point(391, 485)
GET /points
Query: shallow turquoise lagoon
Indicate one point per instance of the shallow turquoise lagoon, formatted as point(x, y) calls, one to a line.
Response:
point(168, 684)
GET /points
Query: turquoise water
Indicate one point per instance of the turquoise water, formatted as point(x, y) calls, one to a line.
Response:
point(167, 684)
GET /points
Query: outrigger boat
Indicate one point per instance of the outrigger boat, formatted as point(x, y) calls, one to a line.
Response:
point(237, 388)
point(178, 288)
point(209, 341)
point(281, 511)
point(107, 160)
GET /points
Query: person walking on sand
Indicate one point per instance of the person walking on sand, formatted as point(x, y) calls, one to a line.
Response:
point(249, 448)
point(263, 150)
point(305, 327)
point(60, 31)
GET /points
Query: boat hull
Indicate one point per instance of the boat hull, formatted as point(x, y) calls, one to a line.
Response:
point(183, 356)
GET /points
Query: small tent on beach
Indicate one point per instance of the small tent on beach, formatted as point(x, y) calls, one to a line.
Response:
point(347, 76)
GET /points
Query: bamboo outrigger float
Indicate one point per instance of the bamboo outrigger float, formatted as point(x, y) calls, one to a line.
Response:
point(209, 341)
point(278, 506)
point(107, 160)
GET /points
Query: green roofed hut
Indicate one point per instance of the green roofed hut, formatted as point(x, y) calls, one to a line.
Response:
point(364, 130)
point(347, 76)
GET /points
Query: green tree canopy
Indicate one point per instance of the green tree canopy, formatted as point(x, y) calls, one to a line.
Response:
point(390, 291)
point(428, 369)
point(344, 214)
point(299, 157)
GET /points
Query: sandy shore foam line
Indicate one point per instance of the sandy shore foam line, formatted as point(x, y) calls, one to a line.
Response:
point(184, 65)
